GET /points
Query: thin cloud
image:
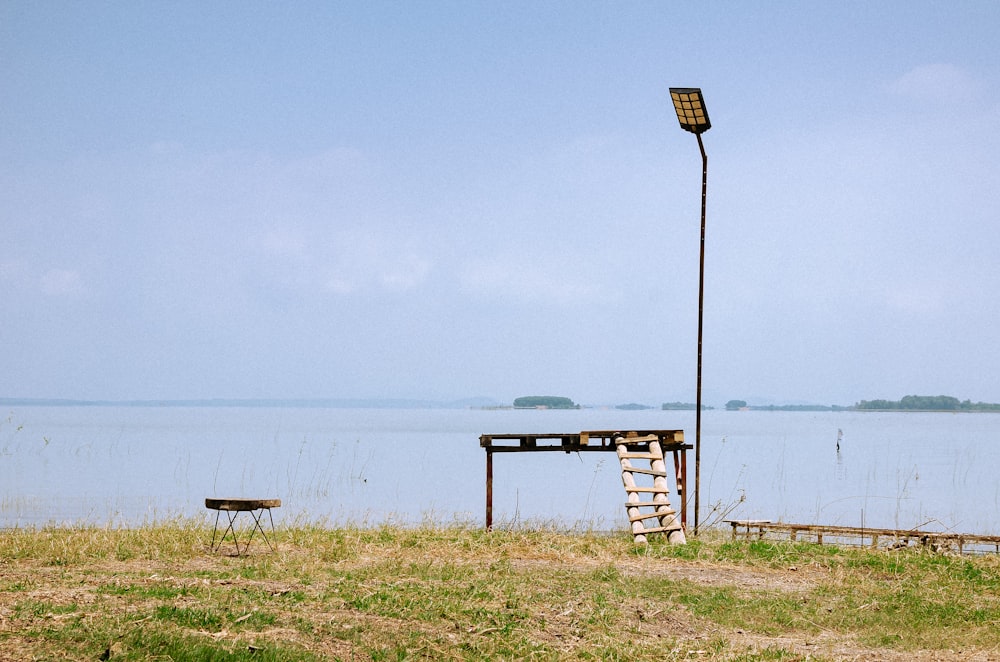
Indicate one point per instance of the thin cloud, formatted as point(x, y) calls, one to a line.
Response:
point(532, 281)
point(915, 301)
point(944, 83)
point(281, 243)
point(61, 282)
point(404, 273)
point(370, 264)
point(12, 270)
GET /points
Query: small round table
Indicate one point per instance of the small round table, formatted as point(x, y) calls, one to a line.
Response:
point(232, 508)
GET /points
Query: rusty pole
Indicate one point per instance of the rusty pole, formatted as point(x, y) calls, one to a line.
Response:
point(489, 489)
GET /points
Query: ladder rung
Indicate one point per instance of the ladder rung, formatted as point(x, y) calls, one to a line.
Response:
point(658, 529)
point(646, 504)
point(647, 472)
point(640, 456)
point(651, 490)
point(637, 518)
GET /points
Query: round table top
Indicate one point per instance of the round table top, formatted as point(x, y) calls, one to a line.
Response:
point(241, 504)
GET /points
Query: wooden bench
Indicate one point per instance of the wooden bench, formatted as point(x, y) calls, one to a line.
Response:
point(748, 525)
point(232, 508)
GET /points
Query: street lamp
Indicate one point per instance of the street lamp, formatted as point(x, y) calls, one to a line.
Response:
point(691, 113)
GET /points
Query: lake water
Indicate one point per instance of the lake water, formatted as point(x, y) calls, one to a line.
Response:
point(125, 466)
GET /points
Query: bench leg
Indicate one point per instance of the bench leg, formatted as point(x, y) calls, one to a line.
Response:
point(215, 530)
point(230, 528)
point(257, 515)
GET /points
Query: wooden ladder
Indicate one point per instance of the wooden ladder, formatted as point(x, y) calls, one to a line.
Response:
point(633, 447)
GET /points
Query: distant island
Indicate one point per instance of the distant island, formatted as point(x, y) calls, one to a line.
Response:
point(544, 402)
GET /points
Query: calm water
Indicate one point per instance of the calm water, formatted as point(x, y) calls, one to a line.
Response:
point(131, 465)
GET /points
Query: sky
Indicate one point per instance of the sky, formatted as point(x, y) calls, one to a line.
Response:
point(442, 200)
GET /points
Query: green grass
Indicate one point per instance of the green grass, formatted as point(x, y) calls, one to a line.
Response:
point(459, 593)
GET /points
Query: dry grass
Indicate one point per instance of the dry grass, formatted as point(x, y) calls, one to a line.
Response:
point(442, 592)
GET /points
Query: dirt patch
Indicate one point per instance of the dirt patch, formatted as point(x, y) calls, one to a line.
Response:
point(790, 580)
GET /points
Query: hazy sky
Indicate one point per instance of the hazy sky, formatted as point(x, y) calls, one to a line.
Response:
point(451, 199)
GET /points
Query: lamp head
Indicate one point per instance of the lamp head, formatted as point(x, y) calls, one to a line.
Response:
point(690, 107)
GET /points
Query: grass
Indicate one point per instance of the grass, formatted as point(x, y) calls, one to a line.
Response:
point(442, 592)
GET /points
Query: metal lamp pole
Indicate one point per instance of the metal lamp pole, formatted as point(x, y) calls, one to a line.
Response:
point(701, 310)
point(693, 117)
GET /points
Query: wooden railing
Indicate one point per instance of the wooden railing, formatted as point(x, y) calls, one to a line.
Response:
point(862, 536)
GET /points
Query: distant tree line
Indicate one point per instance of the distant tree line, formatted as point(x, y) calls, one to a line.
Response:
point(736, 405)
point(908, 403)
point(926, 403)
point(683, 406)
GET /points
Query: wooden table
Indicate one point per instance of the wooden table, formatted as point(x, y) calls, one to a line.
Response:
point(232, 508)
point(582, 442)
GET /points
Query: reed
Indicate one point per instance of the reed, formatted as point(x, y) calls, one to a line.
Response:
point(456, 592)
